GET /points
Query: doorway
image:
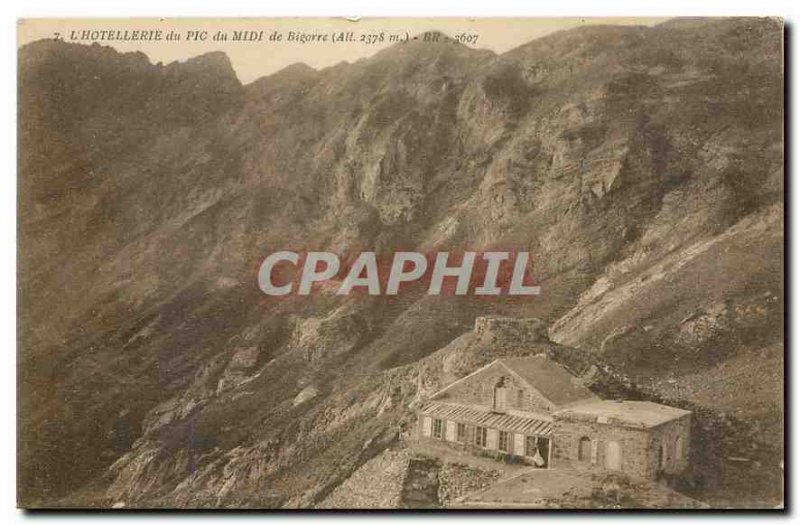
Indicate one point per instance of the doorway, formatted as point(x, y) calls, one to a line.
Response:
point(613, 455)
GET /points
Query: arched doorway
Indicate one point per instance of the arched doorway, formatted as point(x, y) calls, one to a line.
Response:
point(585, 449)
point(613, 455)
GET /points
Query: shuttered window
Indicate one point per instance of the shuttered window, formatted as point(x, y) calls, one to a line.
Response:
point(437, 428)
point(480, 436)
point(505, 442)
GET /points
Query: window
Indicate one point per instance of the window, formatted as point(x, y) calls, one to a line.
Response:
point(585, 449)
point(520, 398)
point(437, 428)
point(505, 442)
point(499, 397)
point(461, 432)
point(679, 452)
point(480, 436)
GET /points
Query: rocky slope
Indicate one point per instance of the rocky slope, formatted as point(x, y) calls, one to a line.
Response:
point(642, 166)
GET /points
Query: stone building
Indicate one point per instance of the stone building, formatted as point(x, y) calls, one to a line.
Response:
point(638, 437)
point(536, 410)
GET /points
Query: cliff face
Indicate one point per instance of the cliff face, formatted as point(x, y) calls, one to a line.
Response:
point(642, 166)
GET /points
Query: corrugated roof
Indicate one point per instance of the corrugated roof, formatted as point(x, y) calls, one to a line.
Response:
point(548, 377)
point(474, 415)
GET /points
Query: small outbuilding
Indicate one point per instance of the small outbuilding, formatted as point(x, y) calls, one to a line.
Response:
point(640, 438)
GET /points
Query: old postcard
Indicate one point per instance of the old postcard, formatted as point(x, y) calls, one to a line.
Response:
point(401, 263)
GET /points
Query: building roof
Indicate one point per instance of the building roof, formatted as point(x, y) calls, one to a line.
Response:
point(551, 379)
point(530, 424)
point(640, 414)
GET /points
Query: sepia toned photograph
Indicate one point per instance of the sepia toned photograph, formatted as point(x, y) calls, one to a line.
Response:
point(465, 264)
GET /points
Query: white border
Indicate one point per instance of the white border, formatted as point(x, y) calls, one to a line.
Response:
point(186, 8)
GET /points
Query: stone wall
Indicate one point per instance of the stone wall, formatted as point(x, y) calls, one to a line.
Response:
point(528, 330)
point(666, 436)
point(456, 480)
point(479, 390)
point(639, 447)
point(377, 484)
point(635, 445)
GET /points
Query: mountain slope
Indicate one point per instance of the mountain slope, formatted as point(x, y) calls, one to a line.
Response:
point(641, 166)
